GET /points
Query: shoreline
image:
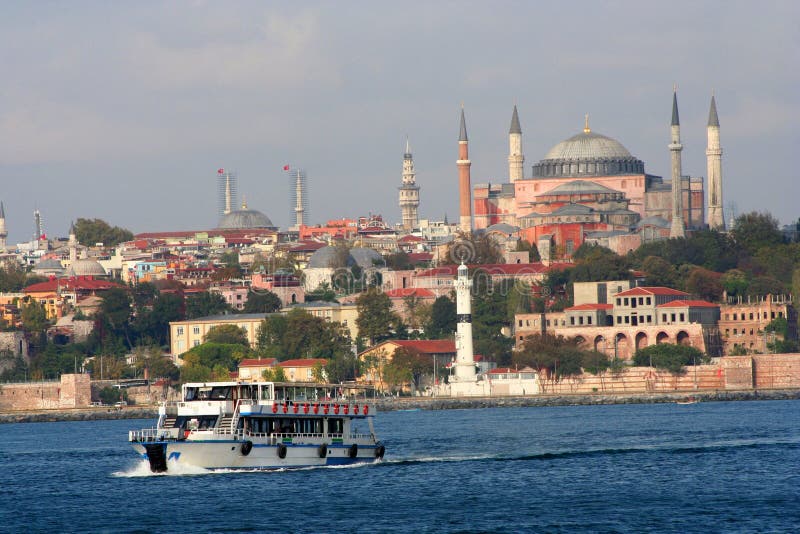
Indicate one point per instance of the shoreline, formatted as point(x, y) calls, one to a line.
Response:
point(436, 403)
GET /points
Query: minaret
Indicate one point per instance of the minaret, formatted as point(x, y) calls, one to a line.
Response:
point(73, 243)
point(675, 147)
point(465, 360)
point(515, 157)
point(464, 188)
point(3, 231)
point(299, 199)
point(716, 220)
point(409, 192)
point(228, 194)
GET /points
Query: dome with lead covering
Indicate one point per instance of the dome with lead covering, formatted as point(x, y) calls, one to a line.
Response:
point(588, 154)
point(86, 267)
point(244, 219)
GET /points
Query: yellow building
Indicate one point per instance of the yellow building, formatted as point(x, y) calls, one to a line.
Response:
point(184, 335)
point(333, 311)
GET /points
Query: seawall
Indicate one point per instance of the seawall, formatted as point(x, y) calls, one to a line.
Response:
point(440, 403)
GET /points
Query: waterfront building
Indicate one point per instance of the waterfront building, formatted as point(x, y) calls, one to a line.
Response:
point(189, 333)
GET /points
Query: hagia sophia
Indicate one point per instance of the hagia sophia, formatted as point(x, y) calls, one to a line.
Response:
point(590, 188)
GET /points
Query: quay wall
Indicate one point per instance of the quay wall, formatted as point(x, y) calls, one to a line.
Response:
point(71, 391)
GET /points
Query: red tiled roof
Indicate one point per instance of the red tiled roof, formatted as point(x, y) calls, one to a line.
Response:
point(427, 346)
point(503, 269)
point(643, 291)
point(582, 307)
point(408, 291)
point(257, 362)
point(688, 303)
point(410, 239)
point(70, 284)
point(303, 362)
point(308, 246)
point(419, 257)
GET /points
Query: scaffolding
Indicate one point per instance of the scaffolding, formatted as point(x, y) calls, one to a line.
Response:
point(227, 192)
point(299, 213)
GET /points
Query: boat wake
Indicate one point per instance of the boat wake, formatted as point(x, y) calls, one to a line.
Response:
point(588, 453)
point(142, 469)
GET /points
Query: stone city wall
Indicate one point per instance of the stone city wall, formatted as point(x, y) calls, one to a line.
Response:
point(72, 391)
point(761, 371)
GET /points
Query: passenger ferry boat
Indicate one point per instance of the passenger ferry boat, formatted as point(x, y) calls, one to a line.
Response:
point(261, 425)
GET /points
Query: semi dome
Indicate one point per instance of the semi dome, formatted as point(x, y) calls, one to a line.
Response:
point(587, 154)
point(327, 257)
point(244, 219)
point(367, 257)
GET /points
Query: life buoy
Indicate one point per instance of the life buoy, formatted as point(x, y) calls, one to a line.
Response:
point(325, 408)
point(285, 407)
point(380, 450)
point(305, 407)
point(316, 408)
point(355, 409)
point(353, 451)
point(322, 450)
point(296, 407)
point(366, 409)
point(247, 446)
point(281, 450)
point(346, 409)
point(274, 407)
point(336, 408)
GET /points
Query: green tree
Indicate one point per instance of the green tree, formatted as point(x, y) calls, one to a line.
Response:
point(213, 354)
point(298, 334)
point(12, 278)
point(669, 357)
point(416, 363)
point(262, 301)
point(525, 246)
point(154, 363)
point(274, 374)
point(659, 272)
point(192, 372)
point(152, 325)
point(92, 231)
point(598, 264)
point(754, 230)
point(473, 249)
point(399, 261)
point(204, 304)
point(226, 334)
point(705, 284)
point(442, 323)
point(734, 282)
point(376, 320)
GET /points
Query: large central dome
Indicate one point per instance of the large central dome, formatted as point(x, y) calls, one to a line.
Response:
point(587, 154)
point(244, 219)
point(588, 145)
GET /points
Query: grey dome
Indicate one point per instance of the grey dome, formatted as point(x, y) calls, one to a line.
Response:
point(588, 145)
point(363, 257)
point(588, 154)
point(326, 257)
point(245, 218)
point(367, 257)
point(86, 267)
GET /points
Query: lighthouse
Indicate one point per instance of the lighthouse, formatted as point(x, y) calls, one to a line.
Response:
point(465, 361)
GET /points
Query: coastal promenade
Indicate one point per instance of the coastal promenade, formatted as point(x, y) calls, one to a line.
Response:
point(437, 403)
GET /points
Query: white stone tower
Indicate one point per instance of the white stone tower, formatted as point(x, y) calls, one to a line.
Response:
point(73, 243)
point(515, 156)
point(299, 197)
point(716, 220)
point(465, 360)
point(677, 228)
point(409, 192)
point(3, 231)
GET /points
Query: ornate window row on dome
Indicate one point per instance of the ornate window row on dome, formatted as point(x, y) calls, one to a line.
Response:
point(596, 167)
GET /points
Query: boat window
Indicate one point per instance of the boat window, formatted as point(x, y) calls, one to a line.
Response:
point(191, 394)
point(335, 426)
point(220, 393)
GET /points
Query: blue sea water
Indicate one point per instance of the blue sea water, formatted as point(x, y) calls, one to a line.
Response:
point(708, 467)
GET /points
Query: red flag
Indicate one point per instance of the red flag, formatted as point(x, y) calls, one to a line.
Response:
point(221, 171)
point(285, 167)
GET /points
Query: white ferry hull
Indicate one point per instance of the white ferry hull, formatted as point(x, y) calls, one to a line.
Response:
point(219, 454)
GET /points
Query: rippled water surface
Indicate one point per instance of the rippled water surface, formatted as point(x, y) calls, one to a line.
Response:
point(708, 467)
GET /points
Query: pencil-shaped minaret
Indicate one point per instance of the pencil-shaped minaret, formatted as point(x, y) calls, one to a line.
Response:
point(675, 147)
point(716, 220)
point(464, 187)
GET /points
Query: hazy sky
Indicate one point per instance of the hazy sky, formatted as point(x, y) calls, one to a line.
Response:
point(125, 110)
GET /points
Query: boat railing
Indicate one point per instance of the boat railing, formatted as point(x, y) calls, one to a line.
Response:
point(153, 434)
